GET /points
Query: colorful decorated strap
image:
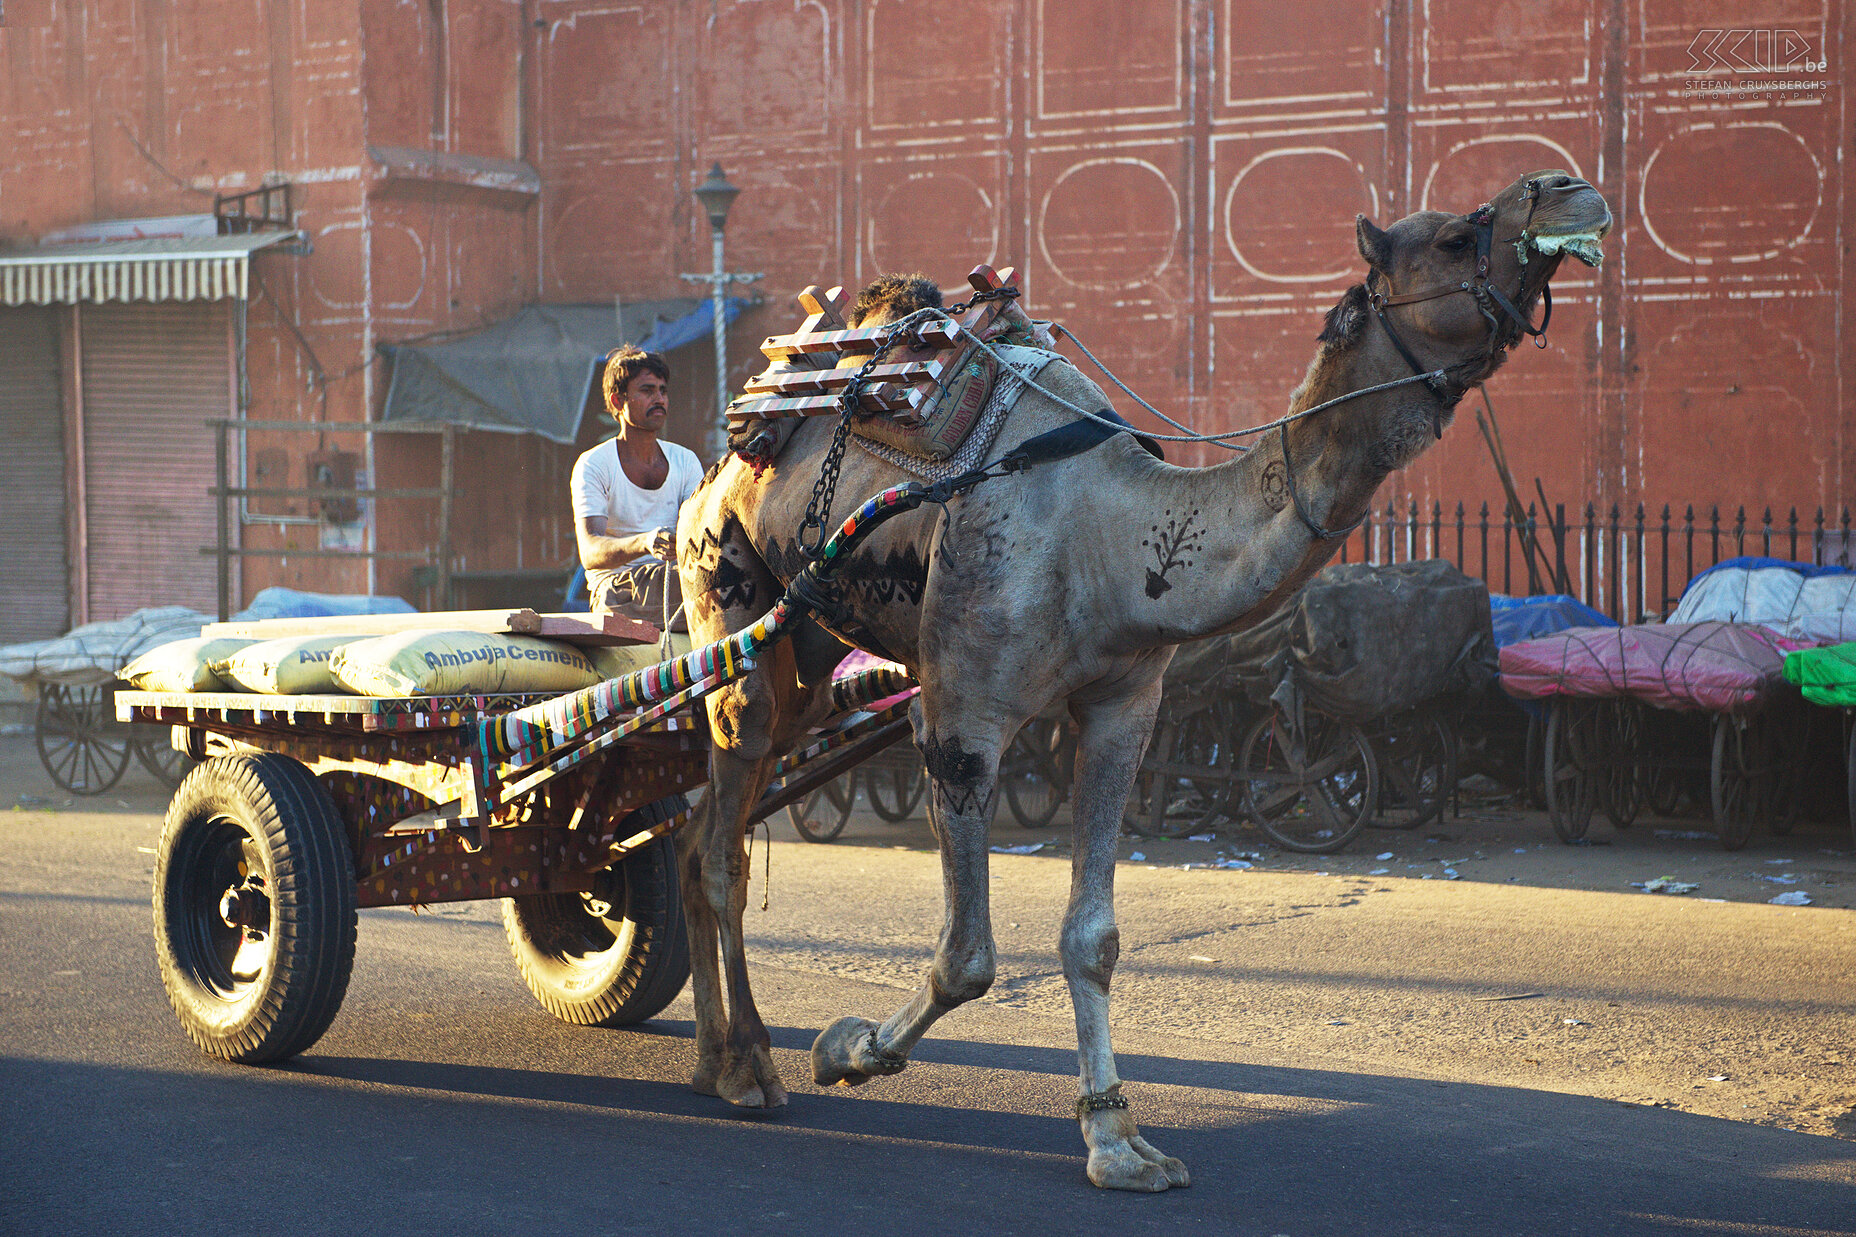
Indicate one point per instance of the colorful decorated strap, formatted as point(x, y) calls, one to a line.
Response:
point(528, 735)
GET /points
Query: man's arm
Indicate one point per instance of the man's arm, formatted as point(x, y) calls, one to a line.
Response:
point(599, 550)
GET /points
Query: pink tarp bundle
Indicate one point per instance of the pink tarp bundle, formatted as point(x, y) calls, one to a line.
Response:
point(1714, 667)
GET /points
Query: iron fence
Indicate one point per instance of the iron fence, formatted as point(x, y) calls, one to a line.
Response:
point(1631, 566)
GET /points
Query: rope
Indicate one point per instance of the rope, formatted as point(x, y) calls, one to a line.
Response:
point(929, 313)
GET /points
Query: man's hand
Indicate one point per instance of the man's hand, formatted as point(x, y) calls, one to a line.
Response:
point(664, 544)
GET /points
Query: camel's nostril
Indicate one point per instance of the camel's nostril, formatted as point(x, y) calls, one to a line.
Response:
point(1567, 184)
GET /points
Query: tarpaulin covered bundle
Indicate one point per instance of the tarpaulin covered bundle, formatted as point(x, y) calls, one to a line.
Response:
point(1714, 667)
point(1825, 676)
point(1358, 641)
point(1800, 600)
point(1523, 618)
point(97, 652)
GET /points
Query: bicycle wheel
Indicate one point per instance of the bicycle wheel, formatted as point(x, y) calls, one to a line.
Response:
point(1314, 797)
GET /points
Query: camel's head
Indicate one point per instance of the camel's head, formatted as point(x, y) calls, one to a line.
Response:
point(1516, 240)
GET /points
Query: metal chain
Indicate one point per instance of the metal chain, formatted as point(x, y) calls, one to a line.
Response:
point(818, 509)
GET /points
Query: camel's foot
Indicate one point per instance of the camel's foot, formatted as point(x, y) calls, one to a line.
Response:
point(845, 1054)
point(1120, 1159)
point(749, 1081)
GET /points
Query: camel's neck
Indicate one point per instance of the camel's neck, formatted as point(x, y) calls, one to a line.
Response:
point(1222, 546)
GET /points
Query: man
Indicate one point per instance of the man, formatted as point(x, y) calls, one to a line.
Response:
point(626, 492)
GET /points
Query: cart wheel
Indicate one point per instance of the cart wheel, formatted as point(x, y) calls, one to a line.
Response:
point(1849, 775)
point(81, 744)
point(1534, 755)
point(254, 907)
point(1032, 773)
point(820, 816)
point(1738, 785)
point(1665, 792)
point(895, 792)
point(1568, 756)
point(1416, 755)
point(1315, 800)
point(612, 957)
point(1623, 789)
point(1185, 779)
point(155, 749)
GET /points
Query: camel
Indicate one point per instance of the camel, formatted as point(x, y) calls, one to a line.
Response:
point(1069, 586)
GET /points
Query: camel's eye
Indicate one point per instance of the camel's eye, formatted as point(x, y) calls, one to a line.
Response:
point(1456, 244)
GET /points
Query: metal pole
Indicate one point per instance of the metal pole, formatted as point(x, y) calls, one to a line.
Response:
point(718, 434)
point(446, 473)
point(225, 533)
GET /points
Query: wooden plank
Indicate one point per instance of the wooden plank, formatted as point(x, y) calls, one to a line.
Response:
point(573, 628)
point(863, 340)
point(885, 398)
point(816, 381)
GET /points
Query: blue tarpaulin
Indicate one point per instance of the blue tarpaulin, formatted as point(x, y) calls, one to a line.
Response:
point(1523, 618)
point(531, 373)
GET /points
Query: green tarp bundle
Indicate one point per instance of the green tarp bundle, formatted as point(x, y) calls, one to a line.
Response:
point(1826, 676)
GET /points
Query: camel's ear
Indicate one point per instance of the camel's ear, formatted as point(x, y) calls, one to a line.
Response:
point(1375, 247)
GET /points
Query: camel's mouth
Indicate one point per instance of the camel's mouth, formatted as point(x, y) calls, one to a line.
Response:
point(1570, 218)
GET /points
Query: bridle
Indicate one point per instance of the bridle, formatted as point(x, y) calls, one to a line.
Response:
point(1489, 300)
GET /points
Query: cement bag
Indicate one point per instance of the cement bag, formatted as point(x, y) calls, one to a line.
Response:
point(616, 660)
point(459, 663)
point(183, 665)
point(290, 666)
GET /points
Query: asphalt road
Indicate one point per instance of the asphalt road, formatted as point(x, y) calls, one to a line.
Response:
point(1318, 1045)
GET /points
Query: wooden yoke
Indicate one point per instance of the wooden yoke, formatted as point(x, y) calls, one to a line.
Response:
point(902, 387)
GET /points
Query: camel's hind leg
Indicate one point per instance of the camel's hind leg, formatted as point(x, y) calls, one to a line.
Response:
point(1109, 748)
point(962, 756)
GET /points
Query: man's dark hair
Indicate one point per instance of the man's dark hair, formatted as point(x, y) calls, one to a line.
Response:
point(625, 363)
point(889, 297)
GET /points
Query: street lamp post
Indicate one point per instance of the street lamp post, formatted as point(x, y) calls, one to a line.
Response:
point(716, 195)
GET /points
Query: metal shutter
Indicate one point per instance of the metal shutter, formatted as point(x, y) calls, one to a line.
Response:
point(34, 581)
point(153, 374)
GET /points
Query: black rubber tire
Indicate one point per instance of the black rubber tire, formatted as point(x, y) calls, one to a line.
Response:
point(1567, 778)
point(821, 815)
point(1317, 807)
point(611, 959)
point(268, 814)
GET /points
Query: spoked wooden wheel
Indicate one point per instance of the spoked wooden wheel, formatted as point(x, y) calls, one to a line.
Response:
point(1625, 786)
point(1569, 755)
point(1185, 781)
point(81, 744)
point(1314, 797)
point(1033, 773)
point(1734, 787)
point(1416, 754)
point(896, 790)
point(155, 751)
point(820, 816)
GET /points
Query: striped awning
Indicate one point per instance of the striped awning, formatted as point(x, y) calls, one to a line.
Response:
point(191, 268)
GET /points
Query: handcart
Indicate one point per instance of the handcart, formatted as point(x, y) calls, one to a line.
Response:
point(1826, 677)
point(305, 808)
point(1634, 709)
point(1335, 713)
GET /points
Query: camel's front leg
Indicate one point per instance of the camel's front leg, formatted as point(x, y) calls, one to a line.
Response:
point(732, 1044)
point(1113, 737)
point(963, 771)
